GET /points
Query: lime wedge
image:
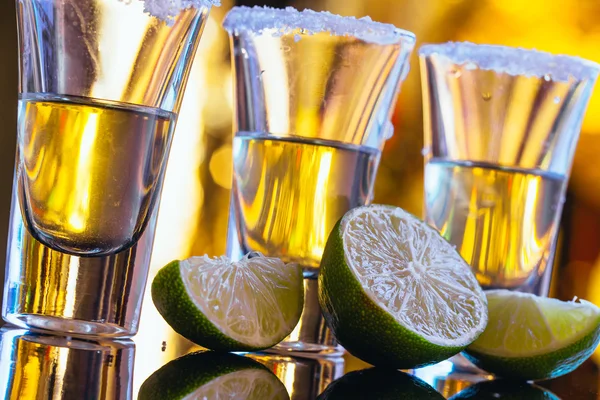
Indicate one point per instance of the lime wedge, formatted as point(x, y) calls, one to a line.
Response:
point(210, 375)
point(251, 304)
point(504, 390)
point(395, 293)
point(380, 384)
point(533, 337)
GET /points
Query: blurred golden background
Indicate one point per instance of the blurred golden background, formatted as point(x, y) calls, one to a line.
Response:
point(193, 216)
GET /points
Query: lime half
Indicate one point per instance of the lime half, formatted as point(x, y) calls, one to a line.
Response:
point(533, 337)
point(395, 293)
point(210, 375)
point(218, 304)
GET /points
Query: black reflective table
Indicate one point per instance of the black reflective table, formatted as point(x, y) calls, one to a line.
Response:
point(34, 366)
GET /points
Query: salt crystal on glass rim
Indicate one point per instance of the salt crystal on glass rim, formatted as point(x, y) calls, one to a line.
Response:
point(514, 61)
point(167, 9)
point(278, 22)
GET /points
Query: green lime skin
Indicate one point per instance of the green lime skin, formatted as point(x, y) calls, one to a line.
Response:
point(365, 329)
point(380, 384)
point(545, 366)
point(504, 390)
point(184, 375)
point(173, 303)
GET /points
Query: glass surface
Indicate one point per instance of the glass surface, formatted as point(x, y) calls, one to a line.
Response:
point(314, 94)
point(316, 181)
point(100, 86)
point(101, 83)
point(501, 127)
point(91, 170)
point(42, 367)
point(54, 367)
point(49, 290)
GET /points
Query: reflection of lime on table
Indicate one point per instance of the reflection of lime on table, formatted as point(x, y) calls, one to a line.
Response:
point(210, 375)
point(380, 384)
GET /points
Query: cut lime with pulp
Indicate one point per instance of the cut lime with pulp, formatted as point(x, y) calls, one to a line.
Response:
point(395, 293)
point(210, 375)
point(251, 304)
point(533, 337)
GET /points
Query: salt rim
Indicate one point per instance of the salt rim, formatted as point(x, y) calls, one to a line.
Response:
point(166, 10)
point(284, 21)
point(515, 60)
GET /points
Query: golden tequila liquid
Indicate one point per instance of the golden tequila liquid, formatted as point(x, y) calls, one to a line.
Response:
point(288, 193)
point(502, 220)
point(89, 172)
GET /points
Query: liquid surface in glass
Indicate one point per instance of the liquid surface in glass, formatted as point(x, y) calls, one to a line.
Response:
point(288, 193)
point(89, 171)
point(502, 220)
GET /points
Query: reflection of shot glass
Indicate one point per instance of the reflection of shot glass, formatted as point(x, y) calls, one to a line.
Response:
point(313, 92)
point(304, 378)
point(39, 367)
point(501, 127)
point(100, 88)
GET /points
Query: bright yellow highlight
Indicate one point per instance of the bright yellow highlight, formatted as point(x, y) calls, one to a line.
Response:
point(221, 166)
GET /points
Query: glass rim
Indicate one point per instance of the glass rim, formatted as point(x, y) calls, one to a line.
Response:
point(283, 21)
point(514, 61)
point(166, 10)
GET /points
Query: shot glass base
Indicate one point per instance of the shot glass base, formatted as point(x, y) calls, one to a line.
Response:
point(461, 364)
point(310, 376)
point(67, 327)
point(311, 337)
point(307, 350)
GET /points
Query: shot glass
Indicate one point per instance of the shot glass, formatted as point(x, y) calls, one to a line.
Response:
point(313, 94)
point(501, 127)
point(101, 83)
